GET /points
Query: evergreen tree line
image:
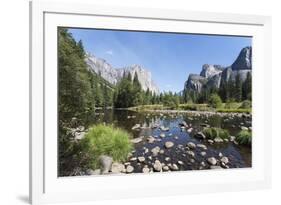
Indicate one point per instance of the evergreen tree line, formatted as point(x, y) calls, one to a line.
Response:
point(129, 93)
point(231, 90)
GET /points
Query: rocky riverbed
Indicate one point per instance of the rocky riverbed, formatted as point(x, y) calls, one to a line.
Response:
point(173, 141)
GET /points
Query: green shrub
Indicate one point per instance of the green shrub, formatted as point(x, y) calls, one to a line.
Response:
point(106, 140)
point(215, 101)
point(246, 104)
point(213, 132)
point(244, 137)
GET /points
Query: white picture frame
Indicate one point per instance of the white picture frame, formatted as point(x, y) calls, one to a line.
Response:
point(46, 187)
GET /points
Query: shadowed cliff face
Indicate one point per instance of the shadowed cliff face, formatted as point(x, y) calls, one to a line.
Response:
point(114, 75)
point(212, 75)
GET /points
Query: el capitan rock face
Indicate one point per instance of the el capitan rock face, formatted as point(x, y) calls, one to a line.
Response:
point(114, 75)
point(211, 76)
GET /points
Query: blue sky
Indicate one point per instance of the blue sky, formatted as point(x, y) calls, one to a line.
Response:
point(169, 57)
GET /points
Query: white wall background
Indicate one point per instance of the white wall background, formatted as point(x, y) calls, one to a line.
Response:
point(14, 100)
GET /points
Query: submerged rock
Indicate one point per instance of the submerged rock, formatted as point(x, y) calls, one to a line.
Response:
point(169, 144)
point(202, 146)
point(155, 150)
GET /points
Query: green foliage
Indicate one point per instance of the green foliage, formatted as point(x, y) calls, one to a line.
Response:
point(244, 137)
point(246, 104)
point(238, 110)
point(75, 95)
point(106, 140)
point(195, 107)
point(213, 132)
point(247, 88)
point(215, 101)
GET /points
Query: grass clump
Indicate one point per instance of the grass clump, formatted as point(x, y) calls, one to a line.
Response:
point(213, 132)
point(106, 140)
point(244, 137)
point(215, 101)
point(246, 104)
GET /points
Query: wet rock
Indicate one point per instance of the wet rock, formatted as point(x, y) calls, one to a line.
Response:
point(145, 170)
point(203, 154)
point(169, 144)
point(146, 150)
point(200, 135)
point(224, 160)
point(157, 166)
point(180, 162)
point(133, 159)
point(174, 167)
point(79, 135)
point(202, 146)
point(161, 151)
point(166, 168)
point(191, 145)
point(150, 139)
point(176, 137)
point(212, 161)
point(190, 153)
point(220, 154)
point(167, 159)
point(162, 135)
point(203, 164)
point(232, 138)
point(165, 129)
point(244, 128)
point(117, 167)
point(192, 160)
point(141, 159)
point(211, 141)
point(105, 162)
point(183, 124)
point(129, 169)
point(155, 151)
point(190, 130)
point(136, 126)
point(218, 140)
point(137, 140)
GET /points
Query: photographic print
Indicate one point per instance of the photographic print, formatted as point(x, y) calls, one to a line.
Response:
point(147, 102)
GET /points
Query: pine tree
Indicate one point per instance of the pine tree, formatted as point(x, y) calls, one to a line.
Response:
point(238, 88)
point(247, 88)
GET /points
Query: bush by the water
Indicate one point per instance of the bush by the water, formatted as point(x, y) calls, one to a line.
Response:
point(106, 140)
point(213, 132)
point(244, 137)
point(246, 104)
point(215, 101)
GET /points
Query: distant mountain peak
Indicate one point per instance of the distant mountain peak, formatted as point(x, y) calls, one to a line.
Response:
point(114, 75)
point(244, 59)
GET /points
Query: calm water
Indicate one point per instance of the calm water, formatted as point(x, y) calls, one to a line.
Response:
point(239, 156)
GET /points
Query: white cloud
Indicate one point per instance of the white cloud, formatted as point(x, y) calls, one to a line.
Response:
point(109, 52)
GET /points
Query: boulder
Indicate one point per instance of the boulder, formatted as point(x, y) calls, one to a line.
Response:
point(202, 146)
point(190, 153)
point(162, 135)
point(129, 169)
point(105, 162)
point(212, 161)
point(224, 160)
point(150, 139)
point(145, 170)
point(169, 144)
point(137, 140)
point(155, 151)
point(174, 167)
point(136, 126)
point(200, 135)
point(117, 167)
point(157, 166)
point(141, 159)
point(191, 145)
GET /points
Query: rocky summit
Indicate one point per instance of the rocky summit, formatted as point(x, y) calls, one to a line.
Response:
point(211, 76)
point(114, 75)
